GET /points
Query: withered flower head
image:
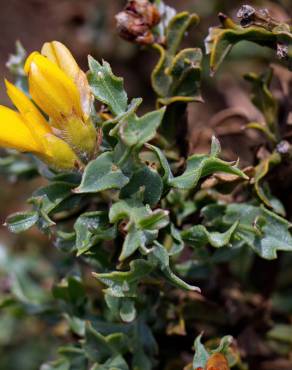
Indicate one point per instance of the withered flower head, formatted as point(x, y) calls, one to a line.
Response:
point(136, 21)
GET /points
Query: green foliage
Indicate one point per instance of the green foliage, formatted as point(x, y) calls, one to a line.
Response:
point(139, 230)
point(106, 87)
point(262, 230)
point(21, 221)
point(102, 174)
point(176, 77)
point(202, 354)
point(201, 165)
point(221, 39)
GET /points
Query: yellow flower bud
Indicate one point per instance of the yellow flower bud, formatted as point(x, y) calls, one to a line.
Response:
point(59, 54)
point(60, 88)
point(28, 131)
point(52, 90)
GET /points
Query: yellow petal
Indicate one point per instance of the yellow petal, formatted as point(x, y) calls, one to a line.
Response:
point(54, 92)
point(33, 118)
point(59, 154)
point(15, 134)
point(62, 57)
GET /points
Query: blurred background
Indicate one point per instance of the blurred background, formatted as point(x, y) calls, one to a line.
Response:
point(88, 27)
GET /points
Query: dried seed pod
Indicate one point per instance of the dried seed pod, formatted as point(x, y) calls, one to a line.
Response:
point(245, 11)
point(217, 362)
point(259, 17)
point(137, 19)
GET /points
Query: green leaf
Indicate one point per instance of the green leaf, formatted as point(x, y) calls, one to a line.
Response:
point(130, 209)
point(50, 197)
point(263, 98)
point(201, 165)
point(25, 282)
point(224, 345)
point(160, 80)
point(124, 283)
point(135, 238)
point(201, 354)
point(160, 257)
point(167, 175)
point(75, 356)
point(185, 74)
point(131, 109)
point(177, 28)
point(17, 166)
point(145, 347)
point(21, 221)
point(122, 308)
point(221, 40)
point(136, 131)
point(61, 364)
point(261, 171)
point(198, 235)
point(176, 77)
point(264, 231)
point(141, 361)
point(71, 291)
point(147, 179)
point(158, 219)
point(101, 174)
point(77, 325)
point(65, 241)
point(177, 244)
point(142, 227)
point(128, 311)
point(90, 228)
point(115, 363)
point(99, 348)
point(106, 87)
point(49, 200)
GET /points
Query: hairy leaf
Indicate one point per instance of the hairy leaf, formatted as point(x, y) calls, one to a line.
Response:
point(142, 227)
point(147, 179)
point(160, 257)
point(101, 174)
point(21, 221)
point(262, 230)
point(124, 284)
point(136, 131)
point(201, 165)
point(198, 235)
point(106, 87)
point(90, 228)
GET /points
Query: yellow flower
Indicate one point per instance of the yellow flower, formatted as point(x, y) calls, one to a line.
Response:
point(56, 52)
point(28, 131)
point(60, 89)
